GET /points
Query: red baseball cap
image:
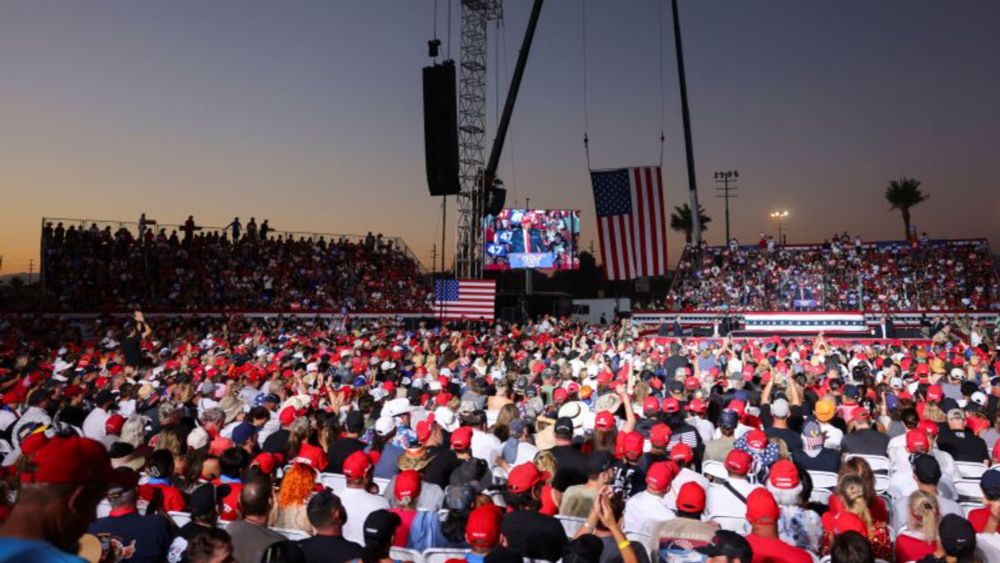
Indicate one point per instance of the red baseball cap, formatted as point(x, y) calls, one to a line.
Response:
point(757, 439)
point(65, 460)
point(738, 461)
point(268, 462)
point(560, 395)
point(928, 427)
point(681, 453)
point(691, 383)
point(660, 475)
point(632, 445)
point(461, 439)
point(482, 529)
point(691, 497)
point(697, 406)
point(977, 424)
point(739, 406)
point(523, 477)
point(935, 393)
point(784, 475)
point(114, 423)
point(442, 398)
point(407, 484)
point(604, 421)
point(671, 405)
point(650, 406)
point(659, 435)
point(357, 465)
point(917, 442)
point(287, 416)
point(761, 507)
point(424, 429)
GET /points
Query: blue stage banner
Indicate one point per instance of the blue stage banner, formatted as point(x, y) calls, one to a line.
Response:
point(531, 259)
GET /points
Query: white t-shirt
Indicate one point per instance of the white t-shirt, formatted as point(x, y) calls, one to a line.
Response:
point(484, 446)
point(644, 513)
point(359, 504)
point(685, 476)
point(720, 501)
point(94, 424)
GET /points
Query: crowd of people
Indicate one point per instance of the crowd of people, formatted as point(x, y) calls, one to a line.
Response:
point(249, 440)
point(240, 267)
point(842, 275)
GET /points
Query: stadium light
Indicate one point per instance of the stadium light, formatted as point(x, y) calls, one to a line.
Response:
point(780, 217)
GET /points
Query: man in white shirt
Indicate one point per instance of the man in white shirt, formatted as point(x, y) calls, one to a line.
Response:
point(93, 425)
point(825, 411)
point(645, 511)
point(682, 455)
point(722, 499)
point(485, 445)
point(358, 502)
point(926, 474)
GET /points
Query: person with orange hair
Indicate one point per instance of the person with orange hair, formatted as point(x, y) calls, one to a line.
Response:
point(297, 485)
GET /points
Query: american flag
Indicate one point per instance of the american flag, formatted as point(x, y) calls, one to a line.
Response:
point(631, 221)
point(465, 299)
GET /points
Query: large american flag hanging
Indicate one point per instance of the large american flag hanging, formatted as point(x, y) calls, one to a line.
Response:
point(631, 221)
point(465, 299)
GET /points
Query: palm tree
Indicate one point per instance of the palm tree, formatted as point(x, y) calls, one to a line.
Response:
point(903, 194)
point(680, 221)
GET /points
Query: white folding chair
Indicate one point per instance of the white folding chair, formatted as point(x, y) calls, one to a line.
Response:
point(823, 480)
point(335, 481)
point(736, 524)
point(571, 524)
point(970, 470)
point(878, 463)
point(442, 554)
point(382, 483)
point(968, 507)
point(5, 447)
point(180, 518)
point(292, 533)
point(715, 470)
point(968, 489)
point(881, 483)
point(820, 496)
point(645, 539)
point(403, 554)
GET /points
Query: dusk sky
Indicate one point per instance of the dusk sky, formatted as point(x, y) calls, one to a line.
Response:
point(309, 112)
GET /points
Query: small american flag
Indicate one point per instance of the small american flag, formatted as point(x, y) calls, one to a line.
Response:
point(465, 299)
point(631, 221)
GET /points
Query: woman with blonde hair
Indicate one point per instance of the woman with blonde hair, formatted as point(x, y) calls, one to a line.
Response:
point(919, 537)
point(297, 485)
point(876, 504)
point(851, 493)
point(551, 497)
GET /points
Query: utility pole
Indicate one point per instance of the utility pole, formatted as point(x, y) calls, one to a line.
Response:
point(31, 269)
point(727, 192)
point(434, 257)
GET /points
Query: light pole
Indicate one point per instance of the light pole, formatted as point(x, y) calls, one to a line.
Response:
point(780, 216)
point(726, 191)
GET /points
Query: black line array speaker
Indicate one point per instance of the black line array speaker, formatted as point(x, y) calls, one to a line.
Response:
point(495, 201)
point(441, 129)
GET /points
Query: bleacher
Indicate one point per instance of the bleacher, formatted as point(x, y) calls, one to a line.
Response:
point(936, 275)
point(111, 266)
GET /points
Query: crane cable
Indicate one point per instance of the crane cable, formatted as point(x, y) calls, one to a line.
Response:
point(586, 120)
point(659, 19)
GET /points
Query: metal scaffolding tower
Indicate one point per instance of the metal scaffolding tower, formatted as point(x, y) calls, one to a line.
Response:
point(476, 14)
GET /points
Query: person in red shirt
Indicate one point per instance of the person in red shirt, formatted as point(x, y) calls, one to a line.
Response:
point(763, 514)
point(920, 536)
point(231, 464)
point(160, 469)
point(990, 484)
point(406, 490)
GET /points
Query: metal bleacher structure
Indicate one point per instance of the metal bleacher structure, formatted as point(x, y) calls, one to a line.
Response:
point(706, 318)
point(397, 243)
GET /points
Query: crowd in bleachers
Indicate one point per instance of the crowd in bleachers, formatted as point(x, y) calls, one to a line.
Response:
point(236, 268)
point(841, 274)
point(338, 440)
